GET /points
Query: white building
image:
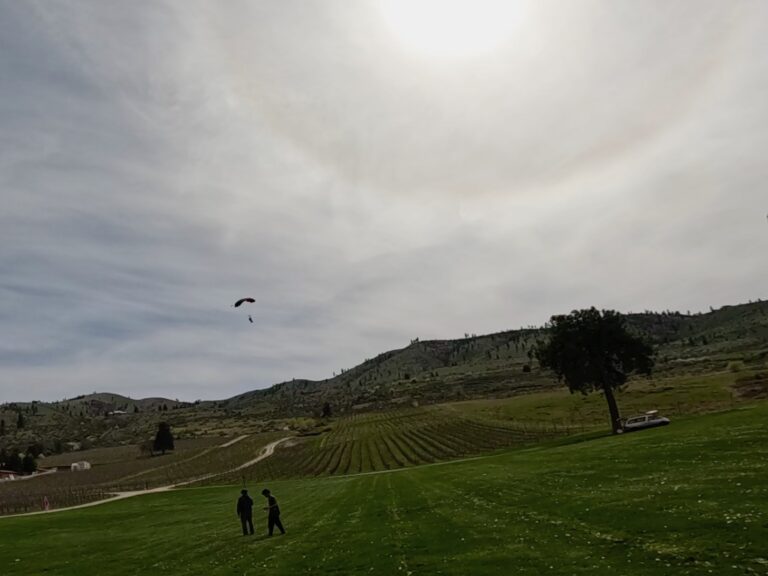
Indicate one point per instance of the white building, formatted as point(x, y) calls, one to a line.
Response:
point(80, 466)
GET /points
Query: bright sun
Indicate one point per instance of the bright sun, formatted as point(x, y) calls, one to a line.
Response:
point(450, 28)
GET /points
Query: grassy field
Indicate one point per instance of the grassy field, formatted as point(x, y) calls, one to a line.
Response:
point(678, 395)
point(364, 442)
point(687, 499)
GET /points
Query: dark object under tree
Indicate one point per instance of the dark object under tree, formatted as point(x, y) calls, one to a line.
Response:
point(592, 350)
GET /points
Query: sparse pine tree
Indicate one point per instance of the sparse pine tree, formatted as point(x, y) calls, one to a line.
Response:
point(2, 427)
point(13, 462)
point(163, 438)
point(28, 464)
point(20, 421)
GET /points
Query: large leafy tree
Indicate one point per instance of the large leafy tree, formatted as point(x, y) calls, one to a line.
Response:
point(591, 350)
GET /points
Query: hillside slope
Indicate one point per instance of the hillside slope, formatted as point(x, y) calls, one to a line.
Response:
point(498, 364)
point(424, 372)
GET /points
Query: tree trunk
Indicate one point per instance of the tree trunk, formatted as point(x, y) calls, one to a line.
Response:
point(613, 409)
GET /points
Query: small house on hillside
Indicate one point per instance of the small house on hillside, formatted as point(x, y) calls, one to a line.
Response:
point(80, 466)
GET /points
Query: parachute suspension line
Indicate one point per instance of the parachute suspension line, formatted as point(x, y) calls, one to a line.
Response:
point(243, 301)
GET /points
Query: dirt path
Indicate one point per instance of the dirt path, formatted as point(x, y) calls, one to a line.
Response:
point(235, 441)
point(266, 452)
point(35, 475)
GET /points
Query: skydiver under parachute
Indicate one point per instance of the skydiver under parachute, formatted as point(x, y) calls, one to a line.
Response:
point(241, 302)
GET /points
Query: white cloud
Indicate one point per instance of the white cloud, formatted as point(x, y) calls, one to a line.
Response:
point(157, 163)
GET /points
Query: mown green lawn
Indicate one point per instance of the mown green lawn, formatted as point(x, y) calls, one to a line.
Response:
point(691, 498)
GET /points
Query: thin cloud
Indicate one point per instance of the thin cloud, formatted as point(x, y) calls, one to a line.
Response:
point(157, 163)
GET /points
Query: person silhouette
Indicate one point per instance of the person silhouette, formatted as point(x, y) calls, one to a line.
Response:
point(273, 514)
point(245, 511)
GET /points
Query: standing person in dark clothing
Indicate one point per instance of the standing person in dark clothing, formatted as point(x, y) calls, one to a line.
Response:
point(245, 511)
point(273, 516)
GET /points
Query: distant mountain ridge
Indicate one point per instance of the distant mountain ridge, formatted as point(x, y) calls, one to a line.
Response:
point(498, 364)
point(503, 363)
point(733, 338)
point(108, 401)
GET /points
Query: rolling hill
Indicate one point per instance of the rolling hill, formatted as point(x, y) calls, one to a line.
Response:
point(732, 338)
point(498, 364)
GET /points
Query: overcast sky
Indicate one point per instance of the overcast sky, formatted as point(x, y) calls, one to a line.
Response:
point(369, 172)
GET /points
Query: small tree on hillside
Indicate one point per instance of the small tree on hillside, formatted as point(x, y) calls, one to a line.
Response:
point(163, 438)
point(2, 427)
point(28, 464)
point(326, 410)
point(13, 461)
point(592, 350)
point(20, 421)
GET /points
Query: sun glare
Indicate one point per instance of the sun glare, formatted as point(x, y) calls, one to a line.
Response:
point(450, 28)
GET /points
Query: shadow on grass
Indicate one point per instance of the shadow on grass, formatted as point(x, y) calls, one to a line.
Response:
point(253, 538)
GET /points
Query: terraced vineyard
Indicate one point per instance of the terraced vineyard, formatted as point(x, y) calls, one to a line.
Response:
point(384, 441)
